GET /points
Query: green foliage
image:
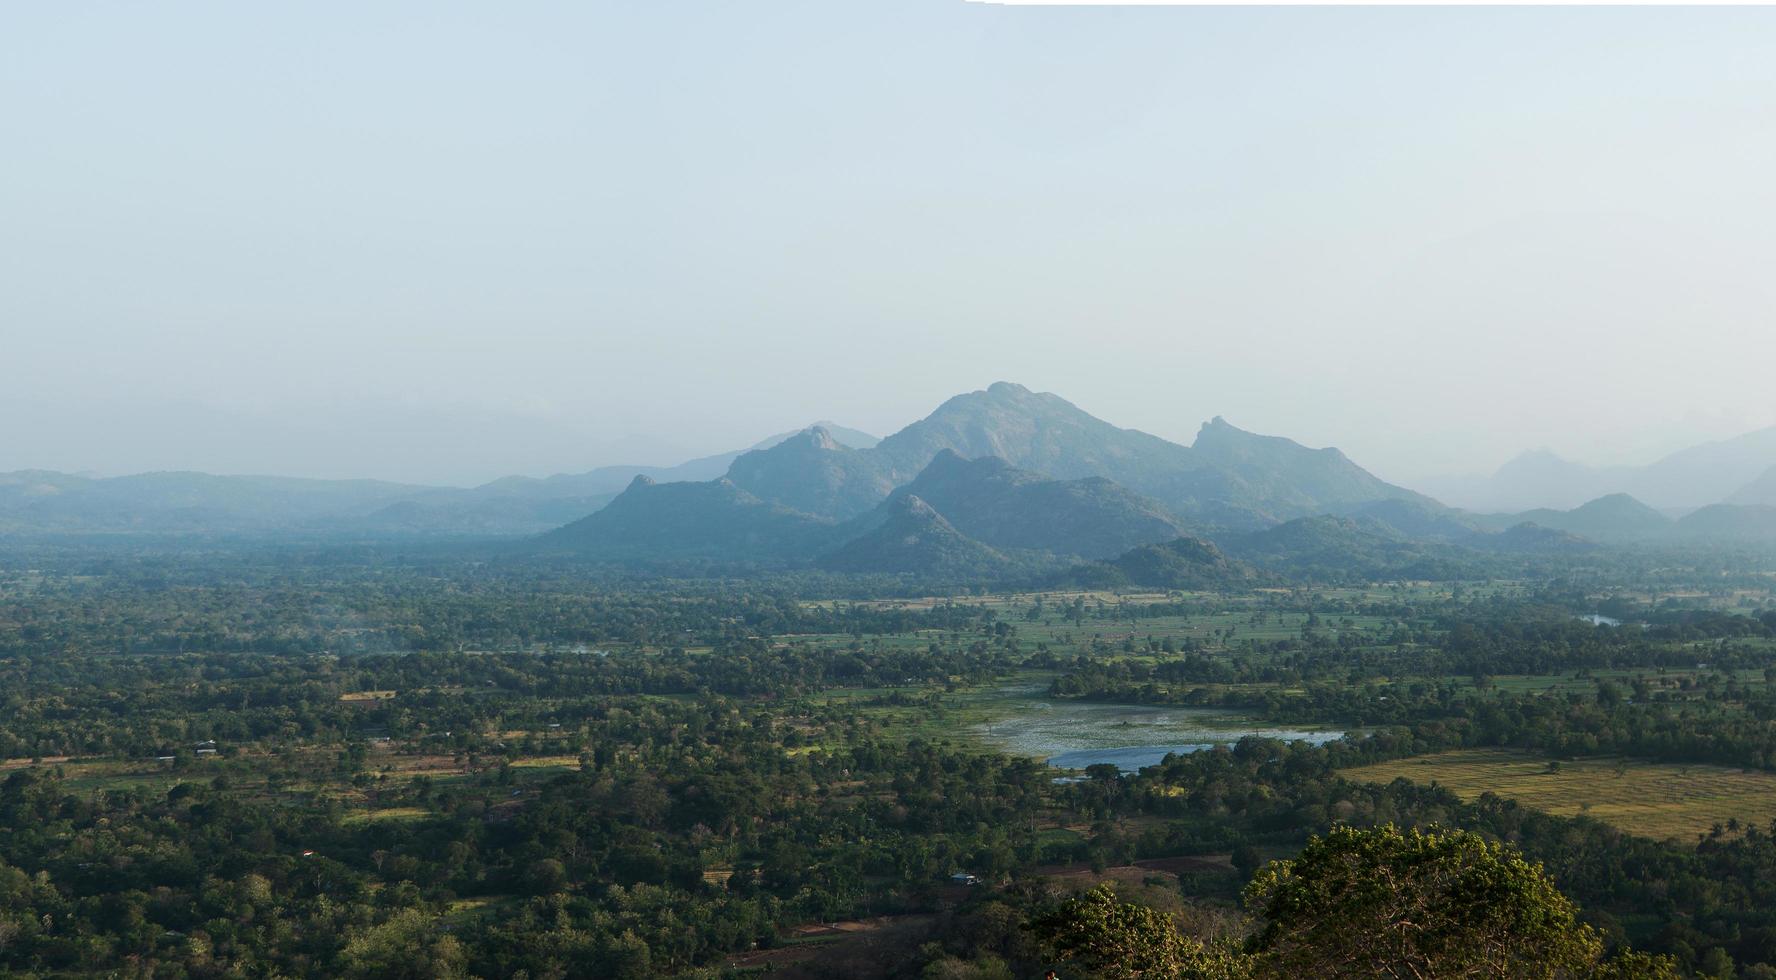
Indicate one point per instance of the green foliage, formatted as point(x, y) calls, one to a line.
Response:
point(1115, 940)
point(1383, 903)
point(450, 767)
point(408, 946)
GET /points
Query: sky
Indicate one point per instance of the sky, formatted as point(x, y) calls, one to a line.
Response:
point(443, 242)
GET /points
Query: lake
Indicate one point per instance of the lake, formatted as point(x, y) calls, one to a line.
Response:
point(1074, 734)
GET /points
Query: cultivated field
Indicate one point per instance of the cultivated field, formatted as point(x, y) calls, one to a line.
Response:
point(1649, 799)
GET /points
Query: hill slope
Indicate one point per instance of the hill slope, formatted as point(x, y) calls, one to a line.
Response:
point(1615, 517)
point(1759, 491)
point(1184, 564)
point(180, 502)
point(814, 473)
point(994, 502)
point(714, 520)
point(1527, 538)
point(1340, 549)
point(1703, 474)
point(1418, 520)
point(1229, 478)
point(913, 538)
point(1730, 524)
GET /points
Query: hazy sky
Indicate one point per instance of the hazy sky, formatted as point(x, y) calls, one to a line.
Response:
point(446, 241)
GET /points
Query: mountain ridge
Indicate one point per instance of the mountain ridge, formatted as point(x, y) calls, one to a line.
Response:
point(913, 538)
point(1716, 471)
point(1236, 478)
point(1007, 507)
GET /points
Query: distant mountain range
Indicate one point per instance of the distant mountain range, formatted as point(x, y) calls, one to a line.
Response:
point(1759, 491)
point(1621, 519)
point(1741, 470)
point(911, 537)
point(1011, 508)
point(40, 501)
point(1227, 478)
point(1011, 482)
point(955, 514)
point(1185, 564)
point(1015, 471)
point(998, 483)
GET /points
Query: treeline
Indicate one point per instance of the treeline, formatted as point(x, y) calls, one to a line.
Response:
point(398, 609)
point(1671, 897)
point(688, 832)
point(1479, 640)
point(148, 706)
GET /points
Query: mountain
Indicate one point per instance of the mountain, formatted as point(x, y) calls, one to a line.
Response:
point(994, 502)
point(1038, 432)
point(1528, 538)
point(1759, 491)
point(1230, 478)
point(1184, 563)
point(668, 521)
point(849, 438)
point(40, 501)
point(1619, 518)
point(184, 502)
point(1015, 471)
point(1330, 548)
point(1730, 523)
point(964, 514)
point(1530, 480)
point(1035, 431)
point(814, 473)
point(1707, 473)
point(613, 479)
point(1281, 478)
point(1616, 517)
point(451, 512)
point(913, 538)
point(603, 480)
point(1419, 520)
point(1699, 475)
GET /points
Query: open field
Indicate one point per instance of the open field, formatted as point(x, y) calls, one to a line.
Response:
point(1649, 799)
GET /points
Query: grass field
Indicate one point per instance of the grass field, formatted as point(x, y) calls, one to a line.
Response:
point(1655, 800)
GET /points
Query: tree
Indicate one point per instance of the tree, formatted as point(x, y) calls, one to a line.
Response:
point(1382, 903)
point(1117, 941)
point(546, 877)
point(407, 945)
point(1246, 860)
point(1631, 965)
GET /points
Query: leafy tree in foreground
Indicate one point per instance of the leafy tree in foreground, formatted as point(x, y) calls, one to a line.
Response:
point(1382, 903)
point(1118, 941)
point(1361, 904)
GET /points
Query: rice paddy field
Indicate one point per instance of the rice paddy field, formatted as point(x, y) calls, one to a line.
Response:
point(1657, 800)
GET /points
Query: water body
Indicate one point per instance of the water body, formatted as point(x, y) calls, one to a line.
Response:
point(1073, 735)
